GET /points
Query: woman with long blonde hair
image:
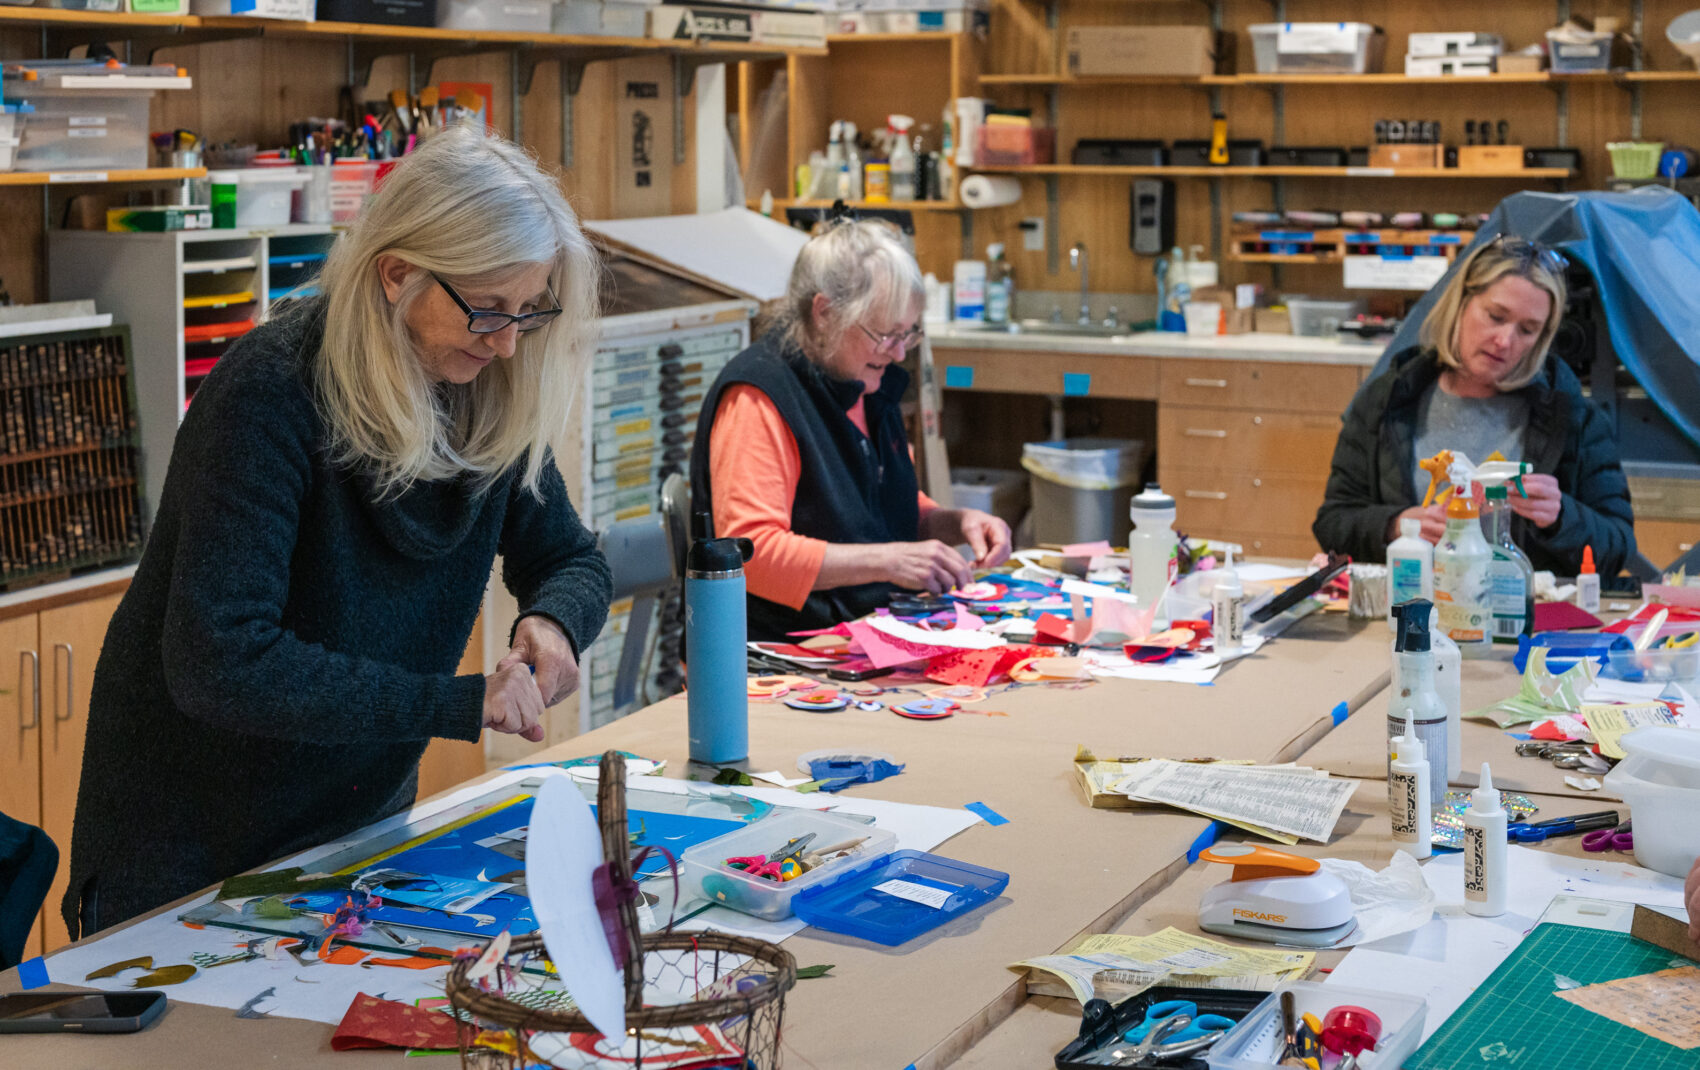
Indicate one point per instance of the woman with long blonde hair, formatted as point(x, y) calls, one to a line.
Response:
point(336, 497)
point(1482, 382)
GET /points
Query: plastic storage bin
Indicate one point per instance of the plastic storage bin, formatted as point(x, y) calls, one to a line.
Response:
point(1317, 47)
point(517, 16)
point(1255, 1043)
point(1571, 51)
point(1635, 159)
point(299, 10)
point(1103, 1024)
point(1660, 780)
point(1015, 146)
point(1654, 666)
point(85, 130)
point(907, 894)
point(998, 491)
point(157, 7)
point(1321, 319)
point(351, 183)
point(255, 196)
point(1082, 487)
point(379, 12)
point(704, 875)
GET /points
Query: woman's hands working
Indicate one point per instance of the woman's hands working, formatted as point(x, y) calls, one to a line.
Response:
point(1540, 504)
point(930, 564)
point(537, 672)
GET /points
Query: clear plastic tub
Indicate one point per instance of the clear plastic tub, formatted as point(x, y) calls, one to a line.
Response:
point(1654, 666)
point(1574, 51)
point(517, 16)
point(1321, 319)
point(261, 196)
point(703, 873)
point(1081, 488)
point(1660, 781)
point(8, 145)
point(1254, 1044)
point(299, 10)
point(351, 183)
point(84, 130)
point(1317, 47)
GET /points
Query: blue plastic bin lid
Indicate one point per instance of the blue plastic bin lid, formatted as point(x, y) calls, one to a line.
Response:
point(1565, 649)
point(912, 892)
point(9, 109)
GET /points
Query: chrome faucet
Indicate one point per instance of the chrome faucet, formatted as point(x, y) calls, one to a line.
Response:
point(1077, 261)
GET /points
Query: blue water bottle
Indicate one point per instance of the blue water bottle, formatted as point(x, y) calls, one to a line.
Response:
point(717, 694)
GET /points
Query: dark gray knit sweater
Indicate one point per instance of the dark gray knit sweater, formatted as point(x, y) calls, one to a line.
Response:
point(289, 645)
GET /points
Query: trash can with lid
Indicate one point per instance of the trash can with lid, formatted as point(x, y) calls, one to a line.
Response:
point(1082, 487)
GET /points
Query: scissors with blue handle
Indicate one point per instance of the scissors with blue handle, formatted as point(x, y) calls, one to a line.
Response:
point(1158, 1013)
point(1621, 838)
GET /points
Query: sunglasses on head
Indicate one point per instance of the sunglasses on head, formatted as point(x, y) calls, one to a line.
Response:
point(1531, 252)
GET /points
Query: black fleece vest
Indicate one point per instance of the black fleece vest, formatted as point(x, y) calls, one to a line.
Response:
point(853, 488)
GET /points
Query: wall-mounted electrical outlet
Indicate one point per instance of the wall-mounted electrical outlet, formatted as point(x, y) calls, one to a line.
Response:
point(1033, 234)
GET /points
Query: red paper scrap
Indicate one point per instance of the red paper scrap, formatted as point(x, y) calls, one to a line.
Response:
point(371, 1022)
point(977, 668)
point(1563, 617)
point(1548, 730)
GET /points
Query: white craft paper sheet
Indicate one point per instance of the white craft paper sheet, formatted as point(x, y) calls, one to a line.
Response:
point(563, 849)
point(1197, 669)
point(324, 991)
point(735, 247)
point(1446, 959)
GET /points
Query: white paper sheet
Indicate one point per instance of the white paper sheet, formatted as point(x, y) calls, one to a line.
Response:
point(1197, 669)
point(563, 848)
point(736, 247)
point(1300, 804)
point(1536, 876)
point(956, 638)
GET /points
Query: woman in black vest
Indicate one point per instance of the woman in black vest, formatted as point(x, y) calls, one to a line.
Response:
point(801, 446)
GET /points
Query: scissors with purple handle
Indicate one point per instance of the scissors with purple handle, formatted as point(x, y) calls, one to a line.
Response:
point(1620, 838)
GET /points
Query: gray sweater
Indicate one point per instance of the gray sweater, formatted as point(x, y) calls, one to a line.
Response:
point(289, 644)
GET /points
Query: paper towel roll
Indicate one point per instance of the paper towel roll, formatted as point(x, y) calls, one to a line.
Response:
point(990, 191)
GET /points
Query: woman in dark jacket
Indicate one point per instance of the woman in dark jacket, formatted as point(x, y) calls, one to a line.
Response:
point(336, 497)
point(1484, 382)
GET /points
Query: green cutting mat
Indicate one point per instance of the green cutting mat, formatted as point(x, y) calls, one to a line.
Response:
point(1514, 1022)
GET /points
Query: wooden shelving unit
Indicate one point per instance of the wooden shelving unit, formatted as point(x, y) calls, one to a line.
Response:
point(54, 178)
point(906, 206)
point(1218, 81)
point(1087, 170)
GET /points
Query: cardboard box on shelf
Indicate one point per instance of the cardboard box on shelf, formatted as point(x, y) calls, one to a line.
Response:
point(1490, 157)
point(1521, 64)
point(1272, 321)
point(1403, 156)
point(1180, 51)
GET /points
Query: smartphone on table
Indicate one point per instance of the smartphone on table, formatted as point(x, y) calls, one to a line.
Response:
point(79, 1012)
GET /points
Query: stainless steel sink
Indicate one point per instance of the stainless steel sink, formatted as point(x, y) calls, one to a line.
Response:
point(1051, 327)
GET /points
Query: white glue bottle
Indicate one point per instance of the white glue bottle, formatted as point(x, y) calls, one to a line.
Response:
point(1414, 707)
point(1588, 583)
point(1484, 851)
point(1227, 618)
point(1408, 788)
point(1410, 567)
point(1463, 575)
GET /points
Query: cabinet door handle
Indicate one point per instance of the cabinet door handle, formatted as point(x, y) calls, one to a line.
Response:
point(69, 675)
point(1219, 384)
point(35, 688)
point(1204, 432)
point(1213, 495)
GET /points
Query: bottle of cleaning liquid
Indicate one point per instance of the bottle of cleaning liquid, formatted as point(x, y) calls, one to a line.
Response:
point(1152, 548)
point(836, 162)
point(1171, 317)
point(969, 289)
point(1000, 285)
point(1463, 574)
point(1513, 575)
point(1408, 792)
point(1227, 610)
point(1410, 567)
point(717, 697)
point(1414, 706)
point(1588, 583)
point(852, 162)
point(1484, 851)
point(902, 159)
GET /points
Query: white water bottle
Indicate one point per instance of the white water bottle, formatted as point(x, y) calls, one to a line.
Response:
point(1151, 548)
point(1485, 858)
point(1410, 567)
point(1408, 790)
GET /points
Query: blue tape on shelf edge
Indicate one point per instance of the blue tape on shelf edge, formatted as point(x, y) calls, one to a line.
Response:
point(958, 377)
point(33, 973)
point(1205, 841)
point(987, 814)
point(1076, 384)
point(1340, 713)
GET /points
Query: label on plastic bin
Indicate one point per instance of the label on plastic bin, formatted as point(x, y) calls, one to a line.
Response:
point(76, 176)
point(1316, 38)
point(86, 120)
point(916, 893)
point(88, 131)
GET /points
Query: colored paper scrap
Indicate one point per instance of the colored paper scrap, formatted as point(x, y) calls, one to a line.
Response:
point(987, 814)
point(1664, 1005)
point(1609, 723)
point(32, 973)
point(977, 668)
point(1542, 693)
point(966, 621)
point(165, 975)
point(380, 1023)
point(1087, 549)
point(279, 882)
point(343, 955)
point(247, 1010)
point(836, 774)
point(889, 643)
point(145, 962)
point(1563, 617)
point(806, 973)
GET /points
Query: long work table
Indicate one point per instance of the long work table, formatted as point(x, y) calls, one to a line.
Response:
point(1073, 869)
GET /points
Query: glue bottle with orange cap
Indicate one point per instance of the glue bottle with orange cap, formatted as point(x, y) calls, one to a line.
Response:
point(1588, 583)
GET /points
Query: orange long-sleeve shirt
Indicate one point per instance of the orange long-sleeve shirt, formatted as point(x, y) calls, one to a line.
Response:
point(754, 467)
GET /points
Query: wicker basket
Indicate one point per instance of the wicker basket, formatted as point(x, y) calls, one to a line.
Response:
point(739, 983)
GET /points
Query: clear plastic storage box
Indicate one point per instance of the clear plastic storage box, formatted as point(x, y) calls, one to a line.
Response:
point(1321, 319)
point(1317, 47)
point(516, 16)
point(1255, 1043)
point(703, 873)
point(85, 130)
point(1572, 51)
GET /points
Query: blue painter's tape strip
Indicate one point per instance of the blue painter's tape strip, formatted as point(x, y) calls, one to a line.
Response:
point(987, 814)
point(1205, 841)
point(1076, 384)
point(1445, 239)
point(1340, 713)
point(1288, 235)
point(33, 974)
point(1386, 255)
point(958, 377)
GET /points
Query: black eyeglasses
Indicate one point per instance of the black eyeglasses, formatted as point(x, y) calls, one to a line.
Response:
point(1532, 252)
point(884, 343)
point(481, 321)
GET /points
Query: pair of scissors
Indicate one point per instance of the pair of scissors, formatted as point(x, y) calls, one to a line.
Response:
point(1172, 1009)
point(1621, 838)
point(782, 865)
point(1166, 1039)
point(1678, 642)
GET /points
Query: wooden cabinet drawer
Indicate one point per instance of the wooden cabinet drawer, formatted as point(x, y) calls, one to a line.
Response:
point(1676, 500)
point(1208, 501)
point(1266, 444)
point(1097, 375)
point(1247, 384)
point(1266, 544)
point(1663, 541)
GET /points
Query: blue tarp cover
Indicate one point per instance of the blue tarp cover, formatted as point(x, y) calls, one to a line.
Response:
point(1643, 248)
